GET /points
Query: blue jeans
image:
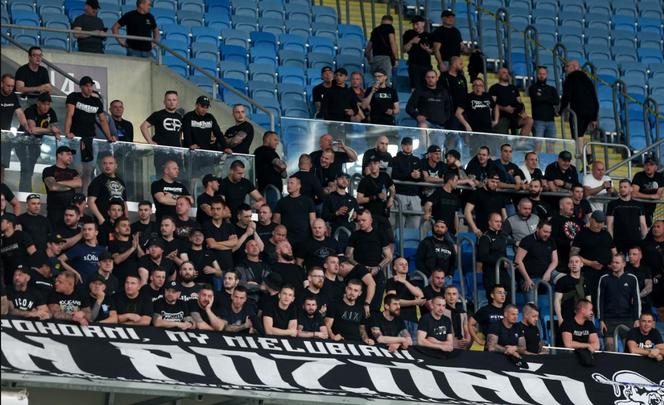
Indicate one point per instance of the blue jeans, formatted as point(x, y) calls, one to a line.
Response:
point(139, 54)
point(544, 129)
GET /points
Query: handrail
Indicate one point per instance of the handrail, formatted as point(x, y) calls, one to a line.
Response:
point(460, 241)
point(634, 156)
point(650, 106)
point(552, 322)
point(606, 146)
point(510, 266)
point(339, 230)
point(400, 226)
point(567, 114)
point(504, 44)
point(616, 333)
point(529, 35)
point(559, 53)
point(196, 67)
point(44, 60)
point(590, 67)
point(616, 109)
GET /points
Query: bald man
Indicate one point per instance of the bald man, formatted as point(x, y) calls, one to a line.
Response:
point(380, 152)
point(314, 250)
point(579, 94)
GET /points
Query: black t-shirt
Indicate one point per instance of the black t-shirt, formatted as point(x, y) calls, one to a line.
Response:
point(90, 23)
point(60, 199)
point(382, 100)
point(69, 303)
point(347, 319)
point(318, 92)
point(167, 127)
point(141, 305)
point(310, 324)
point(505, 95)
point(444, 206)
point(107, 305)
point(237, 318)
point(649, 341)
point(450, 38)
point(538, 258)
point(541, 208)
point(372, 186)
point(387, 328)
point(295, 215)
point(333, 290)
point(176, 188)
point(565, 285)
point(248, 129)
point(340, 158)
point(37, 227)
point(368, 246)
point(280, 317)
point(194, 306)
point(175, 312)
point(580, 333)
point(201, 216)
point(140, 25)
point(86, 110)
point(14, 252)
point(32, 79)
point(479, 112)
point(291, 274)
point(594, 245)
point(167, 264)
point(384, 157)
point(506, 336)
point(265, 172)
point(487, 316)
point(7, 192)
point(25, 300)
point(455, 317)
point(648, 185)
point(124, 130)
point(201, 259)
point(198, 130)
point(235, 193)
point(532, 335)
point(486, 203)
point(150, 292)
point(8, 105)
point(314, 251)
point(457, 87)
point(380, 40)
point(220, 233)
point(41, 120)
point(429, 294)
point(581, 210)
point(554, 172)
point(129, 266)
point(626, 219)
point(436, 328)
point(416, 55)
point(338, 99)
point(106, 188)
point(265, 231)
point(407, 313)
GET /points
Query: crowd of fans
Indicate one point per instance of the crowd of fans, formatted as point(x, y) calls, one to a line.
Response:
point(320, 262)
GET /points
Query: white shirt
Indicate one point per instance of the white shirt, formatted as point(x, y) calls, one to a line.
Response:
point(590, 181)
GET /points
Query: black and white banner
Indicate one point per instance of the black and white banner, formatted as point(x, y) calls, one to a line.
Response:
point(320, 368)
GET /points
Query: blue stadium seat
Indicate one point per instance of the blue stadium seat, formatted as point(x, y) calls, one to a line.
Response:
point(271, 9)
point(263, 72)
point(190, 18)
point(262, 89)
point(175, 64)
point(298, 27)
point(233, 70)
point(26, 38)
point(272, 25)
point(244, 23)
point(325, 15)
point(203, 83)
point(621, 22)
point(218, 6)
point(175, 32)
point(292, 75)
point(625, 10)
point(245, 9)
point(104, 14)
point(178, 46)
point(24, 17)
point(163, 16)
point(296, 110)
point(262, 119)
point(322, 45)
point(598, 42)
point(51, 6)
point(205, 35)
point(623, 38)
point(313, 76)
point(55, 40)
point(217, 21)
point(293, 58)
point(197, 6)
point(233, 53)
point(654, 12)
point(263, 40)
point(114, 48)
point(319, 61)
point(297, 13)
point(263, 55)
point(164, 4)
point(351, 63)
point(124, 9)
point(325, 30)
point(21, 5)
point(207, 65)
point(235, 37)
point(293, 43)
point(351, 49)
point(599, 55)
point(349, 31)
point(648, 55)
point(61, 21)
point(649, 40)
point(288, 91)
point(271, 104)
point(205, 50)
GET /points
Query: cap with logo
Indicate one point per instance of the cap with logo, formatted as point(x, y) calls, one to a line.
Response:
point(33, 196)
point(203, 101)
point(63, 149)
point(22, 269)
point(172, 285)
point(55, 238)
point(433, 149)
point(78, 198)
point(447, 13)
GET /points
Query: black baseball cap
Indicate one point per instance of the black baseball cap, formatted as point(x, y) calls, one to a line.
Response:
point(9, 217)
point(440, 221)
point(33, 196)
point(433, 149)
point(342, 174)
point(22, 268)
point(106, 255)
point(341, 71)
point(447, 13)
point(44, 97)
point(374, 158)
point(203, 101)
point(173, 285)
point(97, 277)
point(85, 80)
point(565, 155)
point(417, 18)
point(208, 178)
point(598, 216)
point(325, 69)
point(454, 153)
point(273, 281)
point(65, 148)
point(407, 140)
point(380, 71)
point(38, 260)
point(650, 160)
point(155, 242)
point(93, 3)
point(55, 238)
point(78, 198)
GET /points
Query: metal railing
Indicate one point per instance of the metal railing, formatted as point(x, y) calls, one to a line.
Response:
point(530, 36)
point(619, 99)
point(504, 37)
point(559, 52)
point(638, 154)
point(460, 242)
point(616, 334)
point(159, 44)
point(606, 146)
point(651, 108)
point(552, 322)
point(510, 268)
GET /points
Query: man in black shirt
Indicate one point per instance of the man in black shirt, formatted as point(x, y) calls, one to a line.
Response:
point(444, 203)
point(315, 249)
point(416, 42)
point(481, 112)
point(133, 306)
point(645, 340)
point(166, 191)
point(529, 330)
point(379, 153)
point(488, 315)
point(513, 175)
point(124, 129)
point(319, 90)
point(339, 102)
point(381, 49)
point(139, 23)
point(570, 289)
point(89, 21)
point(491, 246)
point(238, 138)
point(280, 318)
point(204, 200)
point(220, 235)
point(239, 316)
point(33, 223)
point(154, 259)
point(202, 258)
point(295, 211)
point(32, 78)
point(102, 307)
point(60, 181)
point(530, 168)
point(406, 167)
point(170, 312)
point(540, 207)
point(382, 100)
point(388, 328)
point(342, 153)
point(435, 287)
point(235, 188)
point(10, 105)
point(643, 273)
point(436, 251)
point(206, 312)
point(410, 296)
point(625, 219)
point(17, 246)
point(447, 41)
point(580, 95)
point(457, 86)
point(544, 101)
point(145, 228)
point(512, 110)
point(24, 300)
point(270, 168)
point(310, 322)
point(340, 208)
point(536, 259)
point(200, 129)
point(166, 122)
point(582, 208)
point(483, 203)
point(41, 120)
point(345, 319)
point(561, 174)
point(66, 303)
point(431, 105)
point(106, 187)
point(579, 332)
point(649, 185)
point(458, 317)
point(376, 192)
point(435, 329)
point(503, 336)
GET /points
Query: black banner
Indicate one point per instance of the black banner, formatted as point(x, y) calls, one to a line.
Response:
point(321, 368)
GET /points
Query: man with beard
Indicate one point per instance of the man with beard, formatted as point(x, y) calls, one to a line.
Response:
point(649, 185)
point(349, 271)
point(315, 249)
point(454, 310)
point(206, 313)
point(83, 258)
point(280, 318)
point(326, 172)
point(66, 303)
point(483, 203)
point(265, 226)
point(145, 228)
point(376, 193)
point(188, 288)
point(170, 312)
point(154, 258)
point(124, 249)
point(107, 229)
point(435, 287)
point(570, 289)
point(406, 167)
point(436, 251)
point(491, 246)
point(310, 323)
point(435, 329)
point(202, 258)
point(315, 279)
point(653, 256)
point(540, 207)
point(433, 170)
point(290, 272)
point(230, 282)
point(340, 208)
point(521, 224)
point(252, 270)
point(530, 332)
point(133, 307)
point(564, 228)
point(481, 166)
point(204, 200)
point(504, 336)
point(269, 253)
point(237, 316)
point(579, 332)
point(646, 339)
point(378, 153)
point(155, 288)
point(70, 228)
point(387, 328)
point(246, 229)
point(536, 259)
point(345, 319)
point(643, 273)
point(410, 296)
point(443, 205)
point(172, 245)
point(220, 234)
point(24, 300)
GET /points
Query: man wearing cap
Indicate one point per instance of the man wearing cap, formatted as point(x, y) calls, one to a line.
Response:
point(105, 271)
point(376, 193)
point(561, 174)
point(625, 219)
point(35, 224)
point(102, 308)
point(416, 42)
point(436, 251)
point(106, 187)
point(61, 183)
point(430, 106)
point(139, 23)
point(67, 303)
point(24, 300)
point(89, 21)
point(319, 90)
point(484, 202)
point(378, 152)
point(381, 50)
point(406, 167)
point(83, 257)
point(447, 41)
point(382, 100)
point(17, 245)
point(444, 204)
point(200, 129)
point(153, 259)
point(340, 208)
point(432, 169)
point(339, 102)
point(170, 312)
point(132, 306)
point(270, 168)
point(649, 185)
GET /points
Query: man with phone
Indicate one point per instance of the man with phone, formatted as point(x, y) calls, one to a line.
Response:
point(381, 99)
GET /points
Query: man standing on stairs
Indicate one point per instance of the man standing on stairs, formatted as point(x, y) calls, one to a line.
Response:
point(447, 41)
point(139, 23)
point(416, 42)
point(579, 95)
point(455, 82)
point(318, 92)
point(512, 111)
point(381, 49)
point(544, 100)
point(431, 106)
